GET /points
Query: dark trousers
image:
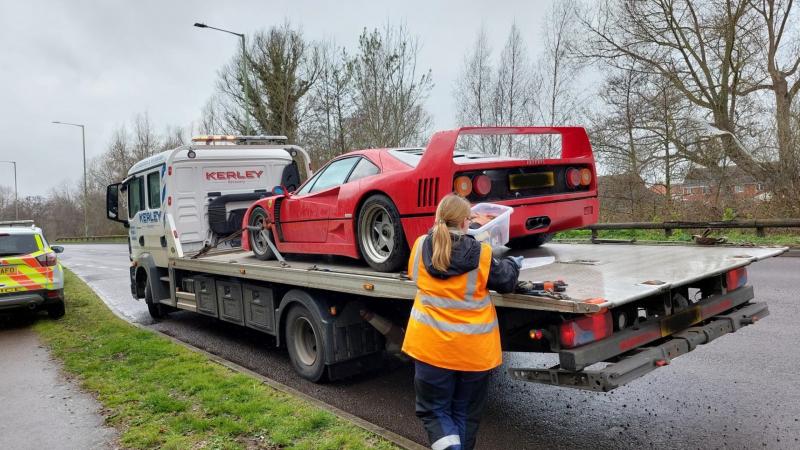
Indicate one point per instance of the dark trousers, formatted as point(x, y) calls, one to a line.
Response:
point(450, 404)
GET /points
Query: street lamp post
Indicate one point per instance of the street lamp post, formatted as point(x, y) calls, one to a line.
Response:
point(16, 199)
point(85, 189)
point(245, 78)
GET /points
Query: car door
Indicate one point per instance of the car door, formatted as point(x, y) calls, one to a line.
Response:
point(304, 215)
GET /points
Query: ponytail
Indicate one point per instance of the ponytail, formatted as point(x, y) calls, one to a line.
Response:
point(450, 213)
point(442, 245)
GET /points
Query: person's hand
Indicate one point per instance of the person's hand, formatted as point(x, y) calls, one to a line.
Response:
point(517, 260)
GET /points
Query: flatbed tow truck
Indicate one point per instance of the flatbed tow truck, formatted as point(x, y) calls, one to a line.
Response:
point(627, 308)
point(700, 294)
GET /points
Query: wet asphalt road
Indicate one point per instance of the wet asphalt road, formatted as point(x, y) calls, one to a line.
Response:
point(741, 391)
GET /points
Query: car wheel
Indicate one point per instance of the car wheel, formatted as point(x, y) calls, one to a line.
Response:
point(305, 344)
point(258, 241)
point(156, 310)
point(57, 310)
point(380, 235)
point(531, 241)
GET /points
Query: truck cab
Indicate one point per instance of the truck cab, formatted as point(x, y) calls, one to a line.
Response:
point(201, 189)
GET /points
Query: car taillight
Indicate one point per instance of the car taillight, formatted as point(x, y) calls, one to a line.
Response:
point(586, 177)
point(586, 329)
point(47, 259)
point(482, 185)
point(736, 278)
point(462, 186)
point(573, 178)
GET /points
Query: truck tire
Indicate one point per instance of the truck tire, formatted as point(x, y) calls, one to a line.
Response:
point(380, 236)
point(156, 310)
point(304, 340)
point(258, 243)
point(531, 241)
point(56, 311)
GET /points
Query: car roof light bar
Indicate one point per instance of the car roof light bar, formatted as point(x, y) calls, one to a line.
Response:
point(16, 223)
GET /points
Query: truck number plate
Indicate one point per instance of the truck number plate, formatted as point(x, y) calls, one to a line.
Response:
point(8, 270)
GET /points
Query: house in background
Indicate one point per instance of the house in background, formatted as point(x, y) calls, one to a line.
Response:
point(702, 184)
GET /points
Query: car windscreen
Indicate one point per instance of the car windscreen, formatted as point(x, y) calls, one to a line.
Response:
point(17, 244)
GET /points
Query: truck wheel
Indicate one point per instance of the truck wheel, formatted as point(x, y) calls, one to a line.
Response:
point(156, 310)
point(531, 241)
point(56, 311)
point(258, 241)
point(305, 343)
point(380, 235)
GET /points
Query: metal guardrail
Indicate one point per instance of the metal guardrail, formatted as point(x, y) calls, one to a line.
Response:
point(668, 227)
point(109, 237)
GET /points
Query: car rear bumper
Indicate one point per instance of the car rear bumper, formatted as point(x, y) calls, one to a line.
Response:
point(552, 217)
point(31, 299)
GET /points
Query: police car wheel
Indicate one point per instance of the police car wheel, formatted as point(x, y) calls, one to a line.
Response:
point(56, 311)
point(258, 241)
point(305, 343)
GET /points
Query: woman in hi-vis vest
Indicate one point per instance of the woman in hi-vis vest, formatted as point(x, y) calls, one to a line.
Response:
point(452, 333)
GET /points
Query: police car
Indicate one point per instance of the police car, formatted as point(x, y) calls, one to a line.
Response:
point(30, 274)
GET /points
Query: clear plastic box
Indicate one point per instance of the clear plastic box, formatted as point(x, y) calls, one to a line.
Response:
point(494, 233)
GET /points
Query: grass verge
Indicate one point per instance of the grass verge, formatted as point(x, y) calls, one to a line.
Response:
point(162, 395)
point(733, 236)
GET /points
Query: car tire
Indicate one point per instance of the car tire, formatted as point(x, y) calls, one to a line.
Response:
point(531, 241)
point(157, 310)
point(258, 244)
point(57, 310)
point(380, 235)
point(305, 343)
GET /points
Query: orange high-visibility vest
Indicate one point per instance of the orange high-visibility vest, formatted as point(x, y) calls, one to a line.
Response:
point(453, 323)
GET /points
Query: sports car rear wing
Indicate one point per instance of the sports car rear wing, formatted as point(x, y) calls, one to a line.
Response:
point(574, 141)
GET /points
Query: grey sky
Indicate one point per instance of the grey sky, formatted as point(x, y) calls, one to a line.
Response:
point(99, 63)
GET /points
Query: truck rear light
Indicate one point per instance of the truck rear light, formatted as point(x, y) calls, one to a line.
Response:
point(736, 278)
point(589, 328)
point(53, 294)
point(482, 185)
point(48, 259)
point(573, 176)
point(462, 186)
point(586, 176)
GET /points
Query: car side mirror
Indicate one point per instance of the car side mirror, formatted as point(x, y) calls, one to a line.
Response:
point(57, 248)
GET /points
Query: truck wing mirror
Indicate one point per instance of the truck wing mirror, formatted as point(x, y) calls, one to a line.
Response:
point(112, 204)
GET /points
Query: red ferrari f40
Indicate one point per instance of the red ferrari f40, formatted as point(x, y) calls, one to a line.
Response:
point(372, 204)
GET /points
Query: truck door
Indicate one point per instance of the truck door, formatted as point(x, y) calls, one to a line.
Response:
point(144, 198)
point(305, 215)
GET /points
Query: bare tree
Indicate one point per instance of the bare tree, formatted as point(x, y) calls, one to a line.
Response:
point(388, 90)
point(782, 66)
point(330, 106)
point(145, 141)
point(474, 87)
point(558, 69)
point(703, 50)
point(514, 100)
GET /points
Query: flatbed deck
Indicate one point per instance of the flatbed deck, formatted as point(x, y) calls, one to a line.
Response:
point(617, 273)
